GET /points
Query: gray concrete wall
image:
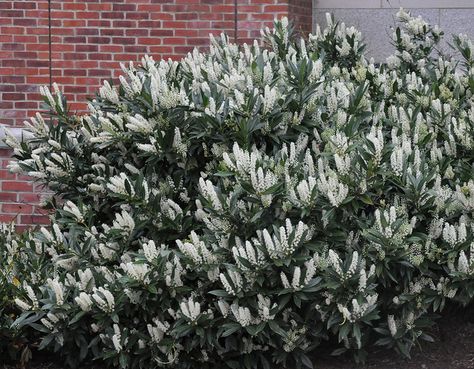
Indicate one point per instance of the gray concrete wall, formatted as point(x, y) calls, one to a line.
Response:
point(375, 18)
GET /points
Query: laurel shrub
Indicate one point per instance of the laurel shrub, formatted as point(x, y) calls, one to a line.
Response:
point(242, 206)
point(15, 343)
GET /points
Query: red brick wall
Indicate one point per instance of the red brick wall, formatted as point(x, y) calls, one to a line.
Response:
point(24, 66)
point(252, 15)
point(301, 13)
point(89, 38)
point(24, 58)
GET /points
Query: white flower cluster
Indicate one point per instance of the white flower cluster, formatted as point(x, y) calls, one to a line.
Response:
point(58, 290)
point(329, 184)
point(104, 299)
point(232, 282)
point(246, 165)
point(209, 193)
point(251, 252)
point(242, 315)
point(158, 330)
point(358, 309)
point(121, 185)
point(196, 250)
point(285, 240)
point(138, 272)
point(465, 265)
point(124, 222)
point(298, 282)
point(262, 182)
point(190, 309)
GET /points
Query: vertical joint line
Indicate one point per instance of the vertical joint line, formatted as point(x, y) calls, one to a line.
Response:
point(50, 46)
point(235, 21)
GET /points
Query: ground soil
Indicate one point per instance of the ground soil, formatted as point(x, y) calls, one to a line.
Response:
point(453, 349)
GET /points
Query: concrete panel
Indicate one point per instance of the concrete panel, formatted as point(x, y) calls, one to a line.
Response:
point(456, 21)
point(427, 4)
point(372, 4)
point(347, 4)
point(376, 25)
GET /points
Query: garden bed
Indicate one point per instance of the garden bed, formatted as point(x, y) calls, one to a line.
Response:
point(453, 349)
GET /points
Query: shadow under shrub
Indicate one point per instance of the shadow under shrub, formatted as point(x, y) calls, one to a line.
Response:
point(240, 207)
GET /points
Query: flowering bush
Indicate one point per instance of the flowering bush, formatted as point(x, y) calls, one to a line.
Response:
point(243, 205)
point(13, 342)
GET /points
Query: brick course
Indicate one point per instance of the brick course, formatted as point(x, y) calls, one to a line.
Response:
point(89, 38)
